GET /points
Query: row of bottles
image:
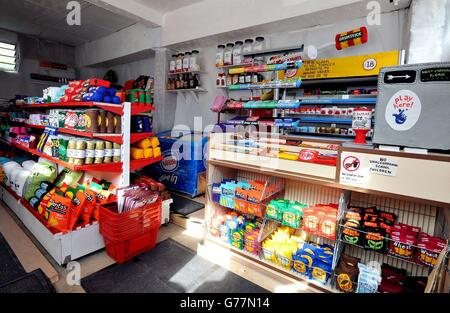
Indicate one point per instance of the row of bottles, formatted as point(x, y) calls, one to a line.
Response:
point(184, 62)
point(183, 81)
point(233, 53)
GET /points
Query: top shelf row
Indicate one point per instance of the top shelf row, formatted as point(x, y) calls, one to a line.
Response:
point(136, 108)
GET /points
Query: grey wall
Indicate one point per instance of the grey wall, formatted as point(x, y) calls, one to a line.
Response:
point(32, 51)
point(390, 35)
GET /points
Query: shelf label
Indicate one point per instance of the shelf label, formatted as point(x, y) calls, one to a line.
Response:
point(386, 166)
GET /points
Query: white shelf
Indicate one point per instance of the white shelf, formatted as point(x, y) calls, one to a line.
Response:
point(188, 90)
point(188, 72)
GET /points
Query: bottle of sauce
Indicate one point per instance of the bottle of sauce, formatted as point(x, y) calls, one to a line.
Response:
point(179, 63)
point(220, 55)
point(186, 81)
point(187, 58)
point(173, 64)
point(228, 54)
point(196, 81)
point(191, 81)
point(237, 52)
point(177, 82)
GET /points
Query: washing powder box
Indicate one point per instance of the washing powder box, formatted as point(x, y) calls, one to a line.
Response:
point(413, 106)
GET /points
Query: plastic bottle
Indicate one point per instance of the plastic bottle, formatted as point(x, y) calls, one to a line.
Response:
point(228, 54)
point(220, 55)
point(247, 48)
point(237, 52)
point(179, 63)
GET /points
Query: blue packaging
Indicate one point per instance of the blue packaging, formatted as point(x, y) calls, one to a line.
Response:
point(183, 167)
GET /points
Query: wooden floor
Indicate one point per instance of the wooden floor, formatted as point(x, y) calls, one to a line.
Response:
point(187, 231)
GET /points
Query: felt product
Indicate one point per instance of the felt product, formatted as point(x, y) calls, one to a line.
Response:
point(147, 127)
point(68, 177)
point(154, 142)
point(12, 179)
point(91, 199)
point(42, 172)
point(78, 203)
point(108, 152)
point(116, 100)
point(137, 154)
point(34, 202)
point(20, 181)
point(117, 124)
point(59, 208)
point(148, 153)
point(46, 185)
point(138, 124)
point(71, 146)
point(40, 193)
point(347, 273)
point(144, 144)
point(117, 152)
point(110, 127)
point(99, 152)
point(28, 165)
point(8, 168)
point(102, 121)
point(107, 99)
point(63, 146)
point(97, 97)
point(92, 120)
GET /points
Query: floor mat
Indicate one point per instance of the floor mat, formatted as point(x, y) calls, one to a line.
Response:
point(184, 206)
point(34, 282)
point(10, 267)
point(170, 267)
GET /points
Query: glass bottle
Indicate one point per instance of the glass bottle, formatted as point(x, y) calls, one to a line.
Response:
point(248, 48)
point(173, 64)
point(259, 44)
point(191, 81)
point(237, 52)
point(228, 54)
point(220, 55)
point(196, 81)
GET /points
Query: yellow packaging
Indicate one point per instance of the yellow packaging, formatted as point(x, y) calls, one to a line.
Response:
point(154, 142)
point(156, 152)
point(148, 153)
point(144, 144)
point(137, 154)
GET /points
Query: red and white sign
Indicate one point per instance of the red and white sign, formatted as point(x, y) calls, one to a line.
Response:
point(403, 110)
point(308, 155)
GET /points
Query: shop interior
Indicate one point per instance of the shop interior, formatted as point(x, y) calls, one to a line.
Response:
point(206, 146)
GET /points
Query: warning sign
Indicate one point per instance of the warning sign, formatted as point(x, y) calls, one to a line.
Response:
point(386, 166)
point(351, 171)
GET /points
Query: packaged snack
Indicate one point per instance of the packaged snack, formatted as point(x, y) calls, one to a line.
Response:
point(292, 216)
point(59, 208)
point(144, 144)
point(311, 221)
point(273, 210)
point(328, 226)
point(41, 172)
point(78, 203)
point(321, 270)
point(375, 239)
point(347, 273)
point(88, 209)
point(68, 177)
point(237, 239)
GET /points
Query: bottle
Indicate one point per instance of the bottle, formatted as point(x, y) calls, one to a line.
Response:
point(220, 55)
point(194, 62)
point(177, 82)
point(186, 81)
point(229, 80)
point(222, 80)
point(248, 48)
point(187, 58)
point(191, 81)
point(237, 52)
point(173, 64)
point(228, 54)
point(196, 81)
point(235, 79)
point(242, 78)
point(179, 63)
point(248, 78)
point(218, 79)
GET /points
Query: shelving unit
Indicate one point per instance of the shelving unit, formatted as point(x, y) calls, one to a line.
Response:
point(310, 185)
point(85, 239)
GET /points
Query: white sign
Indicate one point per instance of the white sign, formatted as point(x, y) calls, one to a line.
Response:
point(362, 119)
point(386, 166)
point(351, 170)
point(403, 110)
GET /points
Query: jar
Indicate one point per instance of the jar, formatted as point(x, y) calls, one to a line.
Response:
point(248, 48)
point(259, 44)
point(248, 78)
point(187, 58)
point(229, 80)
point(237, 52)
point(193, 62)
point(179, 63)
point(228, 54)
point(173, 64)
point(220, 55)
point(242, 78)
point(235, 79)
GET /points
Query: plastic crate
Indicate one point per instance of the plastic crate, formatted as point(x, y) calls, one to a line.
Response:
point(124, 250)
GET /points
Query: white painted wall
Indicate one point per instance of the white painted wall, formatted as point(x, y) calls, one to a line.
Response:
point(390, 35)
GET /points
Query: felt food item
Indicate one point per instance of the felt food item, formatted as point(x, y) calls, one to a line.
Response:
point(78, 203)
point(310, 221)
point(328, 226)
point(375, 239)
point(144, 144)
point(91, 198)
point(292, 217)
point(137, 154)
point(156, 152)
point(41, 172)
point(59, 208)
point(347, 273)
point(154, 142)
point(68, 177)
point(321, 271)
point(148, 153)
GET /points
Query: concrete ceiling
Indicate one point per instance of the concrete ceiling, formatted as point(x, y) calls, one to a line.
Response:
point(47, 19)
point(164, 6)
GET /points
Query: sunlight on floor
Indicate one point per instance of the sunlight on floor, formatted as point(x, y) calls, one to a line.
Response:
point(195, 229)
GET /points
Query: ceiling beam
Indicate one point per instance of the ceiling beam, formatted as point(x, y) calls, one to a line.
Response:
point(132, 9)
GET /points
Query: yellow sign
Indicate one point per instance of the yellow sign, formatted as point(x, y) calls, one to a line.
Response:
point(353, 66)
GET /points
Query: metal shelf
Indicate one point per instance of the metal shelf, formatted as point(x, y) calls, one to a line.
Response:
point(268, 52)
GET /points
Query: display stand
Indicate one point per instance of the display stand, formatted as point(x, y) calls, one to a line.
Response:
point(414, 201)
point(85, 239)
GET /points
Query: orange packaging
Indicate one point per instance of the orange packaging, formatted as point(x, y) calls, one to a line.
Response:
point(311, 221)
point(59, 208)
point(91, 198)
point(78, 203)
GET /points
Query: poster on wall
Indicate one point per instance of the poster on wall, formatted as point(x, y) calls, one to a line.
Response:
point(352, 66)
point(351, 38)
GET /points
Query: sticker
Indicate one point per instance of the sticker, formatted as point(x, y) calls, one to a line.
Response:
point(362, 119)
point(400, 77)
point(439, 74)
point(351, 163)
point(351, 170)
point(386, 166)
point(370, 64)
point(403, 110)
